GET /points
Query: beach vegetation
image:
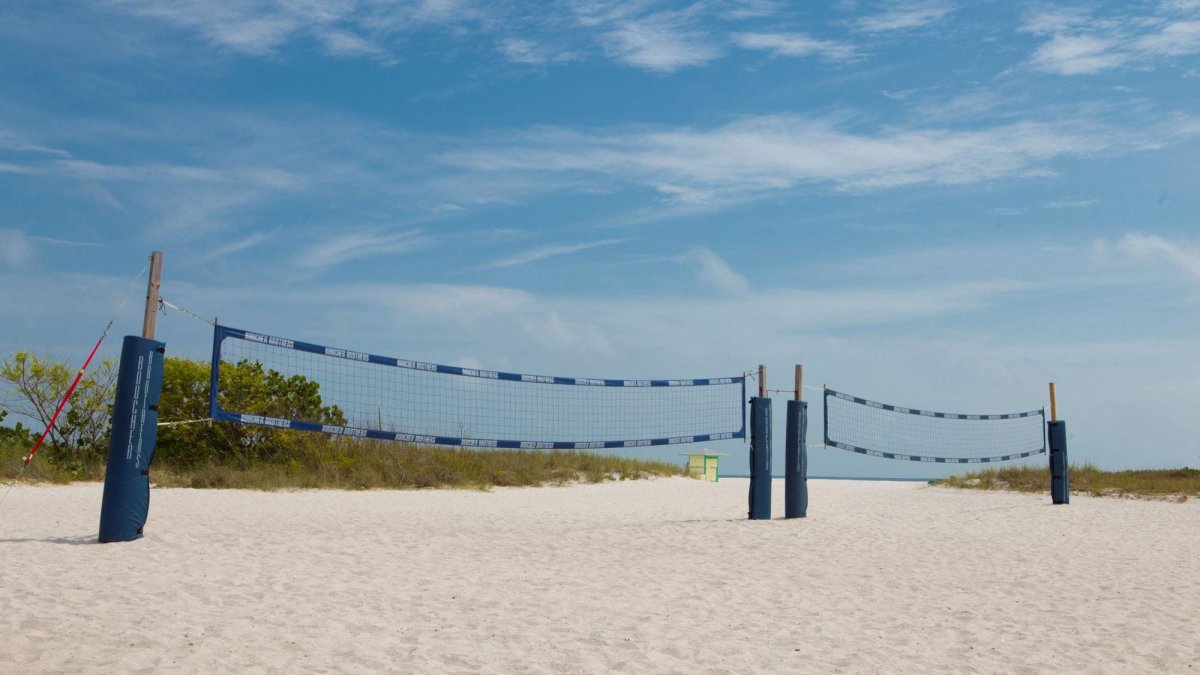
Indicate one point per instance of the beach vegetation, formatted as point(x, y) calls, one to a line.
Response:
point(244, 386)
point(356, 464)
point(1178, 484)
point(34, 386)
point(225, 455)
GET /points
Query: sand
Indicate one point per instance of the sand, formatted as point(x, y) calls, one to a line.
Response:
point(649, 576)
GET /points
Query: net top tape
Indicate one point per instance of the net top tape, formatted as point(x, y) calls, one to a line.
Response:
point(930, 413)
point(285, 343)
point(933, 459)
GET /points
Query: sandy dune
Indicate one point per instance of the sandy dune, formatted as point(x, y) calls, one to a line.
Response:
point(663, 575)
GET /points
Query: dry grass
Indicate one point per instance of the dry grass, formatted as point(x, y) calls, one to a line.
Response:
point(1176, 484)
point(360, 465)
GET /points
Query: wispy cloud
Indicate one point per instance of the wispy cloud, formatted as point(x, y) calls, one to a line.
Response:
point(349, 170)
point(1045, 20)
point(1173, 38)
point(638, 34)
point(550, 251)
point(662, 42)
point(85, 169)
point(14, 142)
point(18, 248)
point(53, 241)
point(797, 45)
point(180, 181)
point(239, 245)
point(162, 172)
point(1079, 43)
point(15, 249)
point(713, 269)
point(343, 28)
point(1079, 55)
point(1071, 203)
point(344, 43)
point(1147, 247)
point(771, 153)
point(18, 169)
point(961, 106)
point(249, 28)
point(355, 245)
point(521, 51)
point(533, 52)
point(905, 15)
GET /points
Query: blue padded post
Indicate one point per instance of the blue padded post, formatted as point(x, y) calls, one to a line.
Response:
point(796, 473)
point(1060, 479)
point(133, 439)
point(760, 458)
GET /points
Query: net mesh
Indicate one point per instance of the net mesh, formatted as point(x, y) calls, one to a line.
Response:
point(895, 432)
point(383, 397)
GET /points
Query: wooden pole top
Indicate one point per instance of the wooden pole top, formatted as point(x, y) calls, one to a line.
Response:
point(150, 318)
point(762, 381)
point(1053, 405)
point(799, 382)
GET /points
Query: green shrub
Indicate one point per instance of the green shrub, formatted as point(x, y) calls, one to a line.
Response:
point(247, 387)
point(37, 383)
point(17, 435)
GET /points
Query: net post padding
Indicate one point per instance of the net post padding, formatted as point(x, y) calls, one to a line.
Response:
point(126, 500)
point(760, 458)
point(796, 471)
point(369, 396)
point(895, 432)
point(1060, 479)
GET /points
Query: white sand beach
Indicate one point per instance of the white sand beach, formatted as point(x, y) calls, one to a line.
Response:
point(649, 576)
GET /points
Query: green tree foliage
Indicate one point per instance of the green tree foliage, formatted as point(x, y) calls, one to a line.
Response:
point(245, 387)
point(37, 383)
point(16, 435)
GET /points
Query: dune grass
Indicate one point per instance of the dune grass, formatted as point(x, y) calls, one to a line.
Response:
point(360, 465)
point(12, 455)
point(1176, 484)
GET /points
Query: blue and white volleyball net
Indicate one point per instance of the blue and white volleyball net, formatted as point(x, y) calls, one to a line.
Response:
point(895, 432)
point(394, 399)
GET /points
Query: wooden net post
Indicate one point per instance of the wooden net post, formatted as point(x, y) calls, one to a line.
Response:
point(153, 287)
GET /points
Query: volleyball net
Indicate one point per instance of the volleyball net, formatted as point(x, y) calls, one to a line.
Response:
point(278, 382)
point(895, 432)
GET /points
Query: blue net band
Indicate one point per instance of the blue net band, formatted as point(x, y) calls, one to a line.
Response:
point(360, 357)
point(930, 413)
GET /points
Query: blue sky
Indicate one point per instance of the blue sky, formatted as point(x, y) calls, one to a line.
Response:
point(937, 203)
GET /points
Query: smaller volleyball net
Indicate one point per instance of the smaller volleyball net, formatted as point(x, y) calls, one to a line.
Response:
point(278, 382)
point(895, 432)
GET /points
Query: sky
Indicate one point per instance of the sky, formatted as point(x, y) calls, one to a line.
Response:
point(941, 204)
